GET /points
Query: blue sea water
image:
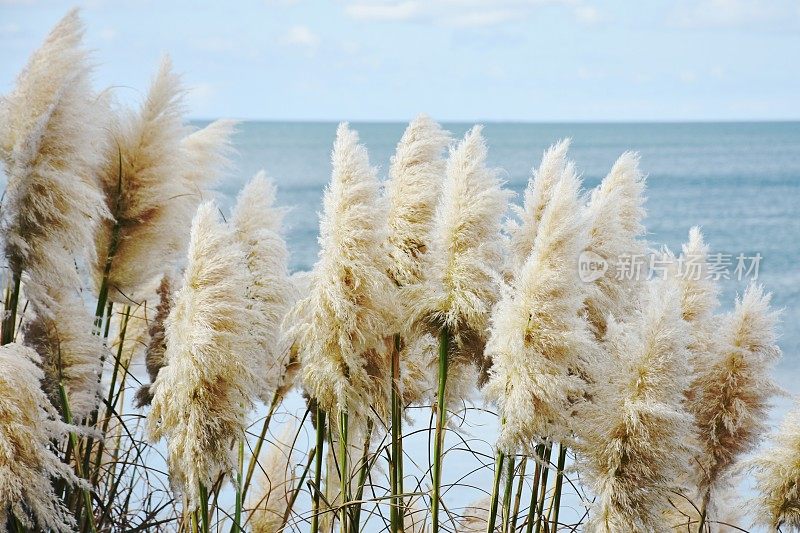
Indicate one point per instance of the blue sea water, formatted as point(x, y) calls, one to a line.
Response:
point(740, 182)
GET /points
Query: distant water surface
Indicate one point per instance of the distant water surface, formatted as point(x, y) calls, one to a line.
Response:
point(739, 181)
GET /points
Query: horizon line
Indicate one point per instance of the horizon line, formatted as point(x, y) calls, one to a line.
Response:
point(505, 121)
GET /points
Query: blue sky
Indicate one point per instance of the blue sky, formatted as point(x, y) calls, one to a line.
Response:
point(526, 60)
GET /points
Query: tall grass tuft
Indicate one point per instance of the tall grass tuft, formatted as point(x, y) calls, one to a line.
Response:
point(28, 464)
point(464, 265)
point(51, 139)
point(202, 396)
point(637, 436)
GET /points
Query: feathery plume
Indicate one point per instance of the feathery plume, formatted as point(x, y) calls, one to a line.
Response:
point(637, 436)
point(276, 484)
point(416, 172)
point(257, 224)
point(155, 176)
point(475, 518)
point(202, 396)
point(463, 278)
point(50, 144)
point(538, 336)
point(27, 463)
point(61, 334)
point(731, 392)
point(339, 327)
point(154, 358)
point(777, 474)
point(616, 212)
point(540, 186)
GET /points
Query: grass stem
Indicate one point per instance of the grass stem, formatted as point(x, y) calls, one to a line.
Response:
point(441, 420)
point(315, 514)
point(507, 492)
point(498, 470)
point(10, 315)
point(556, 504)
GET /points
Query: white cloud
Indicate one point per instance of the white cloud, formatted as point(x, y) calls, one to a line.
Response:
point(301, 36)
point(462, 13)
point(734, 13)
point(385, 11)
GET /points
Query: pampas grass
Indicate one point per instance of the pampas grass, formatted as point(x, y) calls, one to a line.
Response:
point(202, 396)
point(51, 140)
point(258, 228)
point(537, 194)
point(538, 337)
point(616, 210)
point(777, 474)
point(733, 388)
point(417, 172)
point(156, 174)
point(339, 327)
point(70, 354)
point(28, 465)
point(636, 434)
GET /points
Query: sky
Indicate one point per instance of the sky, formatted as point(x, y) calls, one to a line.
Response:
point(489, 60)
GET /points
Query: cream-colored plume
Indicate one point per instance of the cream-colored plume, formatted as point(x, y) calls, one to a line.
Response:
point(417, 172)
point(276, 483)
point(61, 334)
point(51, 137)
point(554, 164)
point(616, 210)
point(258, 228)
point(636, 435)
point(340, 326)
point(777, 473)
point(202, 396)
point(732, 391)
point(28, 465)
point(156, 174)
point(538, 338)
point(463, 265)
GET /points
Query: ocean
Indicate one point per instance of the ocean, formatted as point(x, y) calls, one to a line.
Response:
point(740, 182)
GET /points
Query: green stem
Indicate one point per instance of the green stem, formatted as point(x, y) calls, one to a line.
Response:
point(441, 420)
point(397, 512)
point(498, 470)
point(204, 507)
point(537, 473)
point(311, 455)
point(251, 467)
point(320, 420)
point(10, 315)
point(543, 488)
point(556, 505)
point(507, 492)
point(237, 515)
point(518, 497)
point(112, 386)
point(87, 498)
point(363, 470)
point(344, 472)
